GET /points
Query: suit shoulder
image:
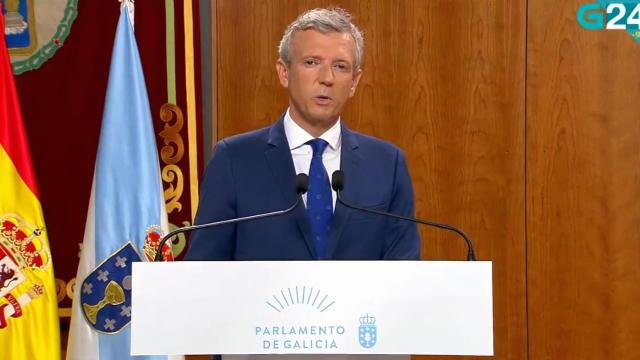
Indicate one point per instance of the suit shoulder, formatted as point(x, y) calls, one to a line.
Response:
point(250, 138)
point(242, 146)
point(370, 143)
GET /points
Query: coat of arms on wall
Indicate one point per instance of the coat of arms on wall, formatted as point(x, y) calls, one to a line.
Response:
point(35, 30)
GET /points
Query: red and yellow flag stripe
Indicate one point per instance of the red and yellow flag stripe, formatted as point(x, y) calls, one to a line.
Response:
point(29, 327)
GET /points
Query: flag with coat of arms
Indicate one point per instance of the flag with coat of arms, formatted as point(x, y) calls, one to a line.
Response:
point(126, 215)
point(29, 327)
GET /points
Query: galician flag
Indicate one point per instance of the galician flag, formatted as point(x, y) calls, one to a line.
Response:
point(29, 327)
point(126, 215)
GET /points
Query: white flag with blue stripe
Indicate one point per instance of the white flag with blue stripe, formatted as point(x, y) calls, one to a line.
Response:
point(126, 215)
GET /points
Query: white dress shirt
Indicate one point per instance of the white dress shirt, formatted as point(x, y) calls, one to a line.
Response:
point(302, 152)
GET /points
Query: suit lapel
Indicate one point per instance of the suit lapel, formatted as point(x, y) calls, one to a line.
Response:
point(349, 163)
point(278, 156)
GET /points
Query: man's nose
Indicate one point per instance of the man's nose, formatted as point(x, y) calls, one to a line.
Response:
point(326, 75)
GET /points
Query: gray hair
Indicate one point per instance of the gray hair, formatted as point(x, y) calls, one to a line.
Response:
point(324, 21)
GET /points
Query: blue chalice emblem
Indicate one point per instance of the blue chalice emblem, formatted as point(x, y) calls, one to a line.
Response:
point(367, 332)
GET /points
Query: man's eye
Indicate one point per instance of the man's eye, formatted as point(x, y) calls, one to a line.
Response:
point(341, 66)
point(310, 62)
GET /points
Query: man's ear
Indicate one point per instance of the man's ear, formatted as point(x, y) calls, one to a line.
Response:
point(283, 73)
point(354, 82)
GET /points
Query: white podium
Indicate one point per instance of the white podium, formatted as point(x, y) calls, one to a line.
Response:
point(312, 307)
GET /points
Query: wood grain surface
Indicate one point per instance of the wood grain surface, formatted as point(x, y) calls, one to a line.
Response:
point(583, 188)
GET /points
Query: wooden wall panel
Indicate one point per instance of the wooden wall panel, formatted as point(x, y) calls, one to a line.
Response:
point(583, 183)
point(444, 80)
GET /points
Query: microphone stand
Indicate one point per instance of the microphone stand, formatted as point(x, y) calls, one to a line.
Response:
point(159, 256)
point(470, 253)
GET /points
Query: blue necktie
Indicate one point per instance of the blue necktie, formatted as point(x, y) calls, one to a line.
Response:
point(319, 201)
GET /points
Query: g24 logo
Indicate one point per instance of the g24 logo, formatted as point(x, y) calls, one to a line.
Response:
point(618, 15)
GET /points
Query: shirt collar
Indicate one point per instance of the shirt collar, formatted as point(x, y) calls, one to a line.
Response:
point(297, 136)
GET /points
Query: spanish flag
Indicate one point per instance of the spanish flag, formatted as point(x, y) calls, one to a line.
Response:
point(29, 327)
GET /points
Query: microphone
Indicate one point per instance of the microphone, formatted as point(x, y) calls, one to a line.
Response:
point(337, 183)
point(301, 185)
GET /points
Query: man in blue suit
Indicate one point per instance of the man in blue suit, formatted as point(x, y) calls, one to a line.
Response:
point(320, 57)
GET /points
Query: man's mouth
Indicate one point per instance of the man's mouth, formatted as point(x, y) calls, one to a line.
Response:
point(322, 99)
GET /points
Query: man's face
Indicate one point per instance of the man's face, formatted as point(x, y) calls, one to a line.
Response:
point(320, 78)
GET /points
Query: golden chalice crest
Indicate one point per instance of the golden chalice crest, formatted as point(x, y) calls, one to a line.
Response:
point(113, 295)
